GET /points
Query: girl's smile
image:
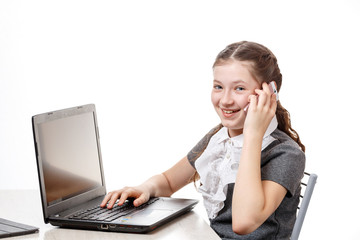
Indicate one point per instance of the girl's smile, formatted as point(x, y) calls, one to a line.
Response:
point(228, 113)
point(233, 84)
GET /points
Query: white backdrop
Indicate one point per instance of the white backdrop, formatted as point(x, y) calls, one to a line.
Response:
point(147, 67)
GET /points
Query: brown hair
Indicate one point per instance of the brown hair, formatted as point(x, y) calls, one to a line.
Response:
point(264, 68)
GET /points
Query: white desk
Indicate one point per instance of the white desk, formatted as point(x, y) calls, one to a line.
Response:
point(24, 206)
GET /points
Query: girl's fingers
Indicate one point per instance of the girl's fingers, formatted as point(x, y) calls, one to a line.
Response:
point(263, 99)
point(140, 200)
point(123, 194)
point(265, 96)
point(266, 88)
point(273, 103)
point(140, 197)
point(110, 199)
point(123, 198)
point(113, 200)
point(105, 200)
point(253, 99)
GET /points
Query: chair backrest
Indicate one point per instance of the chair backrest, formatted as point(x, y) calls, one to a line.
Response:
point(304, 203)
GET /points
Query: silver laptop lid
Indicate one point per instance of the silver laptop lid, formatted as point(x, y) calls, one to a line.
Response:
point(68, 158)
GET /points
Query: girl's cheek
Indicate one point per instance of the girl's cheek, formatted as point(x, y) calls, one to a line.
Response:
point(215, 98)
point(243, 101)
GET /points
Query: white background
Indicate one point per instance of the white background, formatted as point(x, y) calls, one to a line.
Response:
point(147, 67)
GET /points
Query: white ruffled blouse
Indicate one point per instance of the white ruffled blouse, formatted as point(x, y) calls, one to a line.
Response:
point(218, 166)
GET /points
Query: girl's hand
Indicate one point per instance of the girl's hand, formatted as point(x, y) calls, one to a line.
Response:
point(160, 185)
point(261, 110)
point(140, 194)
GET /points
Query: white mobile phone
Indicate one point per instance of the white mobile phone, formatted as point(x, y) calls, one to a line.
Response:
point(273, 88)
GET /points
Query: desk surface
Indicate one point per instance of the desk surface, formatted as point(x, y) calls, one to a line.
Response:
point(24, 206)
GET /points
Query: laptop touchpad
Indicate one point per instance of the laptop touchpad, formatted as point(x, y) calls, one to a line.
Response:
point(146, 216)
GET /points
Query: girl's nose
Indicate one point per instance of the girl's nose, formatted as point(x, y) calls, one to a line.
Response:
point(227, 99)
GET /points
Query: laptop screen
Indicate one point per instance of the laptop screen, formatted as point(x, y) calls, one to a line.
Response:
point(70, 156)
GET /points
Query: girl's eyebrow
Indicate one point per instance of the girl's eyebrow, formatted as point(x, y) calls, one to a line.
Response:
point(235, 82)
point(240, 82)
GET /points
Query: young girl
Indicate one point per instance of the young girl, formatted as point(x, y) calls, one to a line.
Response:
point(249, 166)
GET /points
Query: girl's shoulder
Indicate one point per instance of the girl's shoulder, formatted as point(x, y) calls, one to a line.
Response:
point(200, 147)
point(283, 162)
point(283, 152)
point(283, 142)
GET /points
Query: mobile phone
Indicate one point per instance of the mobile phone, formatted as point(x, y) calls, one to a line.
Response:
point(273, 88)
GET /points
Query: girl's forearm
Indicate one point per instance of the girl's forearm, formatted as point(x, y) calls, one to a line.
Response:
point(158, 186)
point(170, 181)
point(248, 197)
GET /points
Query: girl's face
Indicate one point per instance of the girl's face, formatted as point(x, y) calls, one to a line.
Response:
point(233, 84)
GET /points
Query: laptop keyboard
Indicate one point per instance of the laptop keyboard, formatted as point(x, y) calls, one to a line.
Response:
point(97, 213)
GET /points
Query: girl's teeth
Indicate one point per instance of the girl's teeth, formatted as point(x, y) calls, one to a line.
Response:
point(228, 112)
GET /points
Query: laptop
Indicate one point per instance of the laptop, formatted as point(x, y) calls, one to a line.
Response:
point(71, 178)
point(10, 228)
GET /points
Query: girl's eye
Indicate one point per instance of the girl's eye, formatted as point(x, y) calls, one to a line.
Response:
point(240, 89)
point(217, 87)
